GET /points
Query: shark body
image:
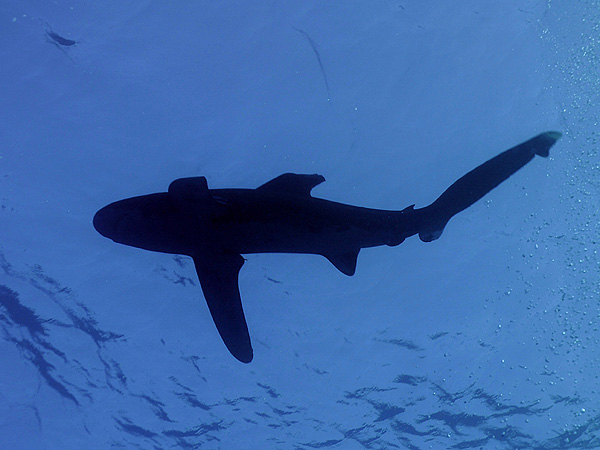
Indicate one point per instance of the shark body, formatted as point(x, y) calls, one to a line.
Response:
point(216, 226)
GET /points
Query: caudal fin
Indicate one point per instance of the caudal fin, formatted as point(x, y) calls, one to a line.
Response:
point(478, 182)
point(541, 143)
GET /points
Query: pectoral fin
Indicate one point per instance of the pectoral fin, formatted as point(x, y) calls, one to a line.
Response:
point(190, 189)
point(218, 275)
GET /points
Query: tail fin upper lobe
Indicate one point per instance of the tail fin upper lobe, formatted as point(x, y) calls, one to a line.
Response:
point(479, 181)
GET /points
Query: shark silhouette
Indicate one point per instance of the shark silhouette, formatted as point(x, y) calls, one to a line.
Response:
point(216, 226)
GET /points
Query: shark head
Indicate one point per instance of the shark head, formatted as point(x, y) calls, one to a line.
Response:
point(106, 221)
point(144, 222)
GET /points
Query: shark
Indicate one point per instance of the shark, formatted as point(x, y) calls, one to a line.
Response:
point(215, 227)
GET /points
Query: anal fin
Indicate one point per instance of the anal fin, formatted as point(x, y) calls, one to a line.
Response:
point(345, 262)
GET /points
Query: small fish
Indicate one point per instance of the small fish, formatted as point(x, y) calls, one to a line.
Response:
point(60, 40)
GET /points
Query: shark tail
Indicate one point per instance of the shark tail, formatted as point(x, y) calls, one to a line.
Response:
point(477, 183)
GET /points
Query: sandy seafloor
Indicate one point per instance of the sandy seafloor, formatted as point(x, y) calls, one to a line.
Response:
point(485, 339)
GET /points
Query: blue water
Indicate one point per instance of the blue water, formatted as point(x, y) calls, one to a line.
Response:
point(485, 339)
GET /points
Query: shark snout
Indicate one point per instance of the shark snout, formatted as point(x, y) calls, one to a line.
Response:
point(105, 222)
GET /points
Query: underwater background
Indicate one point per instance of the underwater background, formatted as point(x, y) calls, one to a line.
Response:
point(485, 339)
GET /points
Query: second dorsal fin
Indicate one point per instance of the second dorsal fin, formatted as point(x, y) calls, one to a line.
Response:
point(292, 183)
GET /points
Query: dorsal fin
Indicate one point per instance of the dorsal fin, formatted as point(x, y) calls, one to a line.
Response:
point(292, 183)
point(191, 189)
